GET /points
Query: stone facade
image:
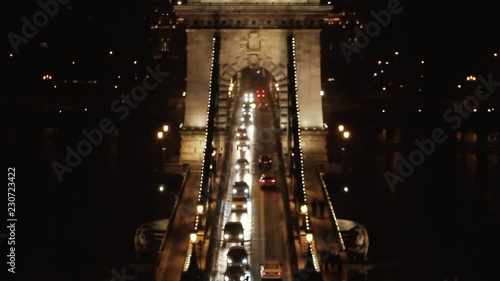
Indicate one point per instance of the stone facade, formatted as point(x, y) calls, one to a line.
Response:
point(252, 35)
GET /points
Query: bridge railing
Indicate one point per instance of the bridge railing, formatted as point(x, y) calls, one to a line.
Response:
point(331, 211)
point(186, 172)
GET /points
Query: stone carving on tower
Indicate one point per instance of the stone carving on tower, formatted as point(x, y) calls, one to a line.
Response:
point(253, 46)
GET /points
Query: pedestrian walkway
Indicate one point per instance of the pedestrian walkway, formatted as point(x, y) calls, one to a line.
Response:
point(325, 232)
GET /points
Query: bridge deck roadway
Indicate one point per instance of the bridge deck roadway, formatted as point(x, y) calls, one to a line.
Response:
point(174, 255)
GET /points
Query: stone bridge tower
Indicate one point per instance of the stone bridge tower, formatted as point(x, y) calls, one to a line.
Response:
point(253, 33)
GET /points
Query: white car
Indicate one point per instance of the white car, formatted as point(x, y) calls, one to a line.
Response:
point(239, 204)
point(271, 269)
point(242, 143)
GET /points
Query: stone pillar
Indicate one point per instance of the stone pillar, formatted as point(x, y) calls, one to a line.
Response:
point(313, 147)
point(307, 57)
point(199, 63)
point(192, 145)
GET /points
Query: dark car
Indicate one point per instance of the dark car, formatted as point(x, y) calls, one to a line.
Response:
point(235, 273)
point(233, 233)
point(241, 132)
point(241, 188)
point(265, 162)
point(237, 255)
point(242, 165)
point(267, 181)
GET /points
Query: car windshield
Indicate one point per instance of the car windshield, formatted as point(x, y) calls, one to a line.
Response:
point(272, 266)
point(240, 199)
point(234, 270)
point(240, 184)
point(237, 252)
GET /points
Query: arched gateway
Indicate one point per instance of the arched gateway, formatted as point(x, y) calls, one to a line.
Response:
point(253, 34)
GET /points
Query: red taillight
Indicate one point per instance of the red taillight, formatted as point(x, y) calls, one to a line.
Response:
point(273, 180)
point(279, 273)
point(270, 161)
point(260, 160)
point(264, 273)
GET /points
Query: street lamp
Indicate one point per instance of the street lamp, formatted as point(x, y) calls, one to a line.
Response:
point(159, 135)
point(165, 128)
point(341, 128)
point(303, 209)
point(309, 237)
point(199, 208)
point(346, 135)
point(193, 236)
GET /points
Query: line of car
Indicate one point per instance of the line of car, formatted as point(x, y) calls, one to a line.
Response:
point(237, 258)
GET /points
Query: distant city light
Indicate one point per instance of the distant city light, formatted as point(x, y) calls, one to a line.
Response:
point(55, 86)
point(475, 110)
point(396, 53)
point(495, 54)
point(161, 188)
point(165, 128)
point(471, 78)
point(73, 62)
point(85, 109)
point(489, 109)
point(459, 86)
point(422, 62)
point(419, 110)
point(375, 74)
point(116, 86)
point(159, 135)
point(383, 110)
point(386, 62)
point(183, 94)
point(346, 189)
point(341, 128)
point(379, 62)
point(60, 111)
point(179, 2)
point(346, 135)
point(329, 2)
point(321, 93)
point(135, 62)
point(383, 88)
point(110, 52)
point(119, 76)
point(11, 55)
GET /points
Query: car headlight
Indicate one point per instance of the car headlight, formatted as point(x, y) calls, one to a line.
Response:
point(233, 206)
point(226, 236)
point(242, 278)
point(246, 190)
point(245, 260)
point(240, 236)
point(244, 205)
point(242, 118)
point(248, 142)
point(226, 278)
point(238, 134)
point(229, 261)
point(237, 166)
point(235, 191)
point(246, 166)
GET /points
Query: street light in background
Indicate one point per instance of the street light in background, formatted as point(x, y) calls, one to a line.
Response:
point(346, 135)
point(341, 128)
